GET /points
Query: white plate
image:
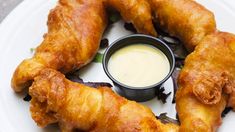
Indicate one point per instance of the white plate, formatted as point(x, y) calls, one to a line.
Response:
point(23, 29)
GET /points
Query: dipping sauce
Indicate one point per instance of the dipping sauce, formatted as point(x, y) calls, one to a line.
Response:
point(139, 65)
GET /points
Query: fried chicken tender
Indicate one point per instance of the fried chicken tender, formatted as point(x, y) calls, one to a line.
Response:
point(213, 71)
point(185, 19)
point(75, 28)
point(208, 75)
point(198, 117)
point(137, 12)
point(76, 106)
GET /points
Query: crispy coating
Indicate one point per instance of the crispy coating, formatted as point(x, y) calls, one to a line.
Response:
point(209, 70)
point(208, 73)
point(75, 29)
point(198, 117)
point(76, 106)
point(185, 19)
point(137, 12)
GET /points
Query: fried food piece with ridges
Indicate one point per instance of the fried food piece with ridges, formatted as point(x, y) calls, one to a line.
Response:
point(207, 83)
point(75, 28)
point(184, 19)
point(137, 12)
point(76, 106)
point(196, 116)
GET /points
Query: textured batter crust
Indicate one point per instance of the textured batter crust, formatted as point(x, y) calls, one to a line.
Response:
point(75, 29)
point(76, 106)
point(185, 19)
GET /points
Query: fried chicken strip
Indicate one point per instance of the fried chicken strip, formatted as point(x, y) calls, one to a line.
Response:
point(208, 75)
point(198, 117)
point(75, 28)
point(184, 19)
point(76, 106)
point(137, 12)
point(210, 69)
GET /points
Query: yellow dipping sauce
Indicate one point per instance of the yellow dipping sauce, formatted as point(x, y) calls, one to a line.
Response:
point(139, 65)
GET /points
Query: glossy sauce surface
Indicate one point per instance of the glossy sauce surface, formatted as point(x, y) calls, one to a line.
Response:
point(139, 65)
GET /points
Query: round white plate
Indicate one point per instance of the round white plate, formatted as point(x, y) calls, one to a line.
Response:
point(23, 29)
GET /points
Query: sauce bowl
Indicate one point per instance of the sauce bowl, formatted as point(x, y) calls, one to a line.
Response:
point(139, 94)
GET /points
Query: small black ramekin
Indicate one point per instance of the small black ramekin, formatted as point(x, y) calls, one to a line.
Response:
point(139, 94)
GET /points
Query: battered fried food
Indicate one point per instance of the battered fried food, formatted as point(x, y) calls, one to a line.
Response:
point(208, 75)
point(76, 106)
point(198, 117)
point(137, 12)
point(185, 19)
point(209, 70)
point(75, 29)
